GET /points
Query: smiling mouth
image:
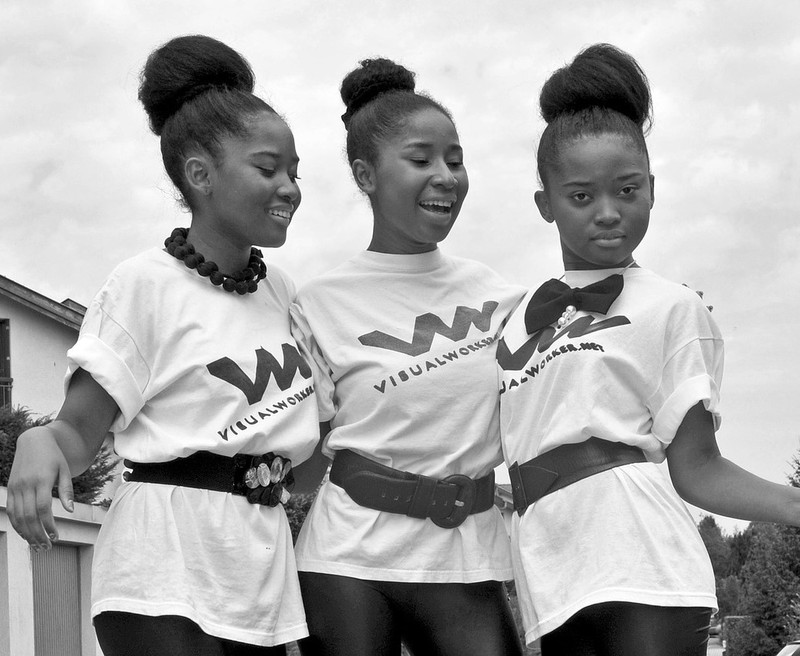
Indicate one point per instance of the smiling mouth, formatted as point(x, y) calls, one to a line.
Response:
point(437, 206)
point(284, 215)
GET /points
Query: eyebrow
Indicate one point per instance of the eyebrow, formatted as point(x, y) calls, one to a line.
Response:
point(273, 154)
point(428, 144)
point(619, 178)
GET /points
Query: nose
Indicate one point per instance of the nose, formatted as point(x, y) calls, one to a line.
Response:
point(443, 176)
point(607, 212)
point(289, 189)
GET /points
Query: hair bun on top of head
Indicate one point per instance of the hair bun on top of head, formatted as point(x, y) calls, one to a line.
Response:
point(372, 78)
point(185, 67)
point(601, 76)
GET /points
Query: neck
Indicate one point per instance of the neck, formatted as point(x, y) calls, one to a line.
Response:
point(219, 247)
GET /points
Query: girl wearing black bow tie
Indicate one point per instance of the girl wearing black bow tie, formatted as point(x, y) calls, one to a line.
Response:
point(604, 376)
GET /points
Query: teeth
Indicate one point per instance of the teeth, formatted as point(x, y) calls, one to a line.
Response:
point(442, 204)
point(284, 214)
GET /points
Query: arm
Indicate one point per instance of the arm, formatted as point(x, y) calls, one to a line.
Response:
point(309, 473)
point(53, 454)
point(707, 480)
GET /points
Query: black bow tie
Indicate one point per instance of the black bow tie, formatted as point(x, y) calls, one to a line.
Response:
point(552, 298)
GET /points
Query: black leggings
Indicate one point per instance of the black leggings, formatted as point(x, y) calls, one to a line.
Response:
point(354, 617)
point(624, 629)
point(129, 634)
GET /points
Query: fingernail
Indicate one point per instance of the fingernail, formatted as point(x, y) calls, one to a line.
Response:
point(53, 536)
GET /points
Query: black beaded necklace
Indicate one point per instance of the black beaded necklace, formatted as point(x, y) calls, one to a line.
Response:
point(242, 282)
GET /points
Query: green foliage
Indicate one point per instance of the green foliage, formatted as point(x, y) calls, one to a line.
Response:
point(744, 638)
point(718, 548)
point(296, 510)
point(88, 486)
point(765, 559)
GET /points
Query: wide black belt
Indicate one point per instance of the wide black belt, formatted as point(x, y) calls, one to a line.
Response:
point(565, 465)
point(266, 479)
point(447, 502)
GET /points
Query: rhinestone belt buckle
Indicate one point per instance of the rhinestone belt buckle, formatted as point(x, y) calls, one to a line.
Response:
point(265, 480)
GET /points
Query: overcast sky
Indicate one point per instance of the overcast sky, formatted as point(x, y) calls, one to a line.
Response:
point(82, 186)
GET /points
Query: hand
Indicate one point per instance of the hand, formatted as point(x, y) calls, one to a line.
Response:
point(38, 465)
point(700, 294)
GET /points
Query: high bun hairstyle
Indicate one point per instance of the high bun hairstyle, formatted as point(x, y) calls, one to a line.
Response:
point(603, 91)
point(196, 91)
point(380, 97)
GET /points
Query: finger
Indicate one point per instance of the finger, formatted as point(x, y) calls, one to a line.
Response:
point(40, 512)
point(65, 491)
point(26, 517)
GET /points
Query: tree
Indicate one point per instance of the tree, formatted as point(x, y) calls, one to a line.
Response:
point(87, 486)
point(770, 579)
point(718, 547)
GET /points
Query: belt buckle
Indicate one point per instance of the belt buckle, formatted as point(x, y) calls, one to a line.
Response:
point(462, 507)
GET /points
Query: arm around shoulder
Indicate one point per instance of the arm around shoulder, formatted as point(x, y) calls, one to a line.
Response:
point(53, 454)
point(704, 478)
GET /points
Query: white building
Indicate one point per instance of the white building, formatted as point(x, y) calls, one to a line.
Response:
point(44, 597)
point(35, 334)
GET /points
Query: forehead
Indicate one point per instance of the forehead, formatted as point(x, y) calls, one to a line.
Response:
point(266, 133)
point(593, 156)
point(426, 126)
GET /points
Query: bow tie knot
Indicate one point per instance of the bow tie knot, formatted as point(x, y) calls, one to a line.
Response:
point(549, 301)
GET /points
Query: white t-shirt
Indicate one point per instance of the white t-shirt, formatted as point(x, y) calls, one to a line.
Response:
point(405, 348)
point(629, 376)
point(192, 368)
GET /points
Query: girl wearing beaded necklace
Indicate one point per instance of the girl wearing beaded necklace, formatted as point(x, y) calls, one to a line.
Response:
point(195, 554)
point(607, 559)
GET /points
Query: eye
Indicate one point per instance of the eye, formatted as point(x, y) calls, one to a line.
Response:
point(456, 164)
point(294, 177)
point(580, 196)
point(419, 161)
point(266, 172)
point(627, 190)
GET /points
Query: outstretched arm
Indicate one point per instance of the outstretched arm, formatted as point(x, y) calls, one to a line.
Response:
point(709, 481)
point(53, 454)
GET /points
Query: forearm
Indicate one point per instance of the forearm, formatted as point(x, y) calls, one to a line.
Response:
point(309, 473)
point(78, 451)
point(721, 487)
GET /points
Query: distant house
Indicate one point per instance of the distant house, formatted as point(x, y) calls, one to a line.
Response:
point(44, 597)
point(35, 334)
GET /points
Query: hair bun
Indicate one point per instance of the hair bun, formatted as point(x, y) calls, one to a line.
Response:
point(372, 78)
point(600, 76)
point(185, 67)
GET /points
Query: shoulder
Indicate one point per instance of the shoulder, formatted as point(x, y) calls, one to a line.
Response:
point(330, 281)
point(482, 276)
point(145, 269)
point(281, 283)
point(678, 304)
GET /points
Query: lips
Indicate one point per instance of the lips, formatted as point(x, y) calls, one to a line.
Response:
point(610, 238)
point(437, 206)
point(282, 214)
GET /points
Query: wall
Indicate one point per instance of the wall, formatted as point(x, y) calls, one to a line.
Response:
point(38, 357)
point(34, 618)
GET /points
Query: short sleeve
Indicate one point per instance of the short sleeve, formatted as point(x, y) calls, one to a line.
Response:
point(323, 381)
point(692, 369)
point(109, 353)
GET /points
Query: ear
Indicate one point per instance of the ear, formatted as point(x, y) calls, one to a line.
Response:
point(544, 206)
point(198, 173)
point(652, 190)
point(364, 175)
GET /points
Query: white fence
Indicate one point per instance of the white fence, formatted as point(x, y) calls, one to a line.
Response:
point(45, 596)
